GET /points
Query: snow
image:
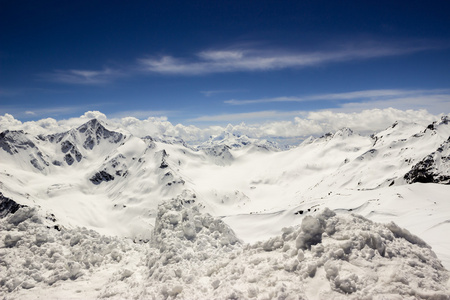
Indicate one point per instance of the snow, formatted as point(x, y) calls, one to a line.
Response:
point(335, 217)
point(194, 255)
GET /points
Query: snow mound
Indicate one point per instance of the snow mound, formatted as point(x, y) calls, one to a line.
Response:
point(36, 257)
point(192, 255)
point(195, 256)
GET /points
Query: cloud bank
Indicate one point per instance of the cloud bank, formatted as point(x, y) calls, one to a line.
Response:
point(298, 127)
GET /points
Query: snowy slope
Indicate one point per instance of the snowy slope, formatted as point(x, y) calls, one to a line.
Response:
point(111, 183)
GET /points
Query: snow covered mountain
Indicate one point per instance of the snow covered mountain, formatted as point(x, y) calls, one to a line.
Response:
point(235, 141)
point(181, 215)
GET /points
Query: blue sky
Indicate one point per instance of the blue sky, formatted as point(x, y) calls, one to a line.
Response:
point(219, 62)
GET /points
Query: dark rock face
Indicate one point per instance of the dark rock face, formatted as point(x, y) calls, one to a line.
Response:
point(433, 126)
point(56, 163)
point(95, 132)
point(38, 161)
point(161, 155)
point(13, 141)
point(8, 206)
point(69, 159)
point(72, 156)
point(66, 146)
point(421, 171)
point(434, 168)
point(72, 153)
point(101, 176)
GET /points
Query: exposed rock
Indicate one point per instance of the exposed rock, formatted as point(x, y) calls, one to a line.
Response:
point(13, 141)
point(101, 176)
point(69, 159)
point(161, 155)
point(95, 132)
point(8, 206)
point(434, 168)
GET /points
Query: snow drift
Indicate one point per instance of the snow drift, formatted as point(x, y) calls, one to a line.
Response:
point(195, 256)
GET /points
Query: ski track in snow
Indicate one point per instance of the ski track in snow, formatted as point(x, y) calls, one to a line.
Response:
point(110, 215)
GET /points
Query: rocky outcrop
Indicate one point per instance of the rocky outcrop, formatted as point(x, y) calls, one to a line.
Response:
point(434, 168)
point(96, 132)
point(100, 177)
point(14, 141)
point(8, 206)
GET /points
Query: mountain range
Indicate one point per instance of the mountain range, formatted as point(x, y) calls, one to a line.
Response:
point(159, 194)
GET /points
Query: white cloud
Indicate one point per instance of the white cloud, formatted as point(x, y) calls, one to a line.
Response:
point(434, 100)
point(433, 103)
point(220, 61)
point(48, 111)
point(7, 121)
point(259, 115)
point(381, 94)
point(94, 115)
point(301, 125)
point(83, 77)
point(369, 120)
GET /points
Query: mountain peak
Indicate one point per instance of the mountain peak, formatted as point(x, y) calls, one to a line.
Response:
point(230, 139)
point(93, 123)
point(13, 140)
point(434, 126)
point(344, 132)
point(95, 132)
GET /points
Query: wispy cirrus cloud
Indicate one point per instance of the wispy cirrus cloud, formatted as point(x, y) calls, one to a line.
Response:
point(380, 94)
point(240, 59)
point(215, 92)
point(83, 77)
point(34, 112)
point(40, 112)
point(434, 103)
point(54, 111)
point(142, 114)
point(245, 60)
point(433, 100)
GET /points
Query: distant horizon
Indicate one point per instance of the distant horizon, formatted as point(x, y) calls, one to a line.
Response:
point(286, 132)
point(210, 64)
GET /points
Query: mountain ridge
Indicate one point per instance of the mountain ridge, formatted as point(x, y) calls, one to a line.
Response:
point(137, 173)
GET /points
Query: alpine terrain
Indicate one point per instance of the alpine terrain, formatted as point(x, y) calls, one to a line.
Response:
point(97, 212)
